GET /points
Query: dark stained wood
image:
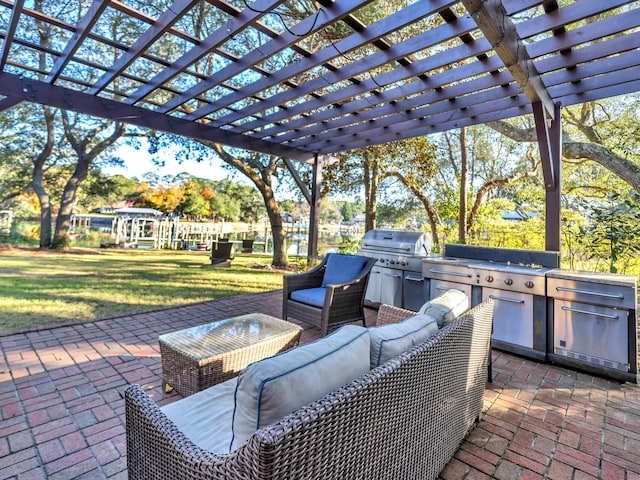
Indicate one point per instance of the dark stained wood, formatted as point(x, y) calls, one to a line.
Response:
point(213, 41)
point(314, 216)
point(11, 29)
point(408, 125)
point(587, 33)
point(8, 102)
point(287, 39)
point(400, 50)
point(447, 76)
point(578, 10)
point(81, 32)
point(301, 185)
point(356, 40)
point(485, 101)
point(500, 31)
point(553, 220)
point(603, 49)
point(47, 94)
point(544, 146)
point(157, 29)
point(515, 111)
point(440, 86)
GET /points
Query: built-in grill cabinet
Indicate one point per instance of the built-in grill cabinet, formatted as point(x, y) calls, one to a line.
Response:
point(594, 322)
point(514, 279)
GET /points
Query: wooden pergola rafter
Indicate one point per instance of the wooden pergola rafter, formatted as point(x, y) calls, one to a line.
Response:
point(335, 78)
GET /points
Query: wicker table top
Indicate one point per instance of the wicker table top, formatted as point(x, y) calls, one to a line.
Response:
point(222, 336)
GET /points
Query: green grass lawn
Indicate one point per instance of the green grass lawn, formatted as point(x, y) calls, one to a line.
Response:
point(44, 288)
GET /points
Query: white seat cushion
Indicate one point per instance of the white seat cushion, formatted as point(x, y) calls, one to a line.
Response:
point(447, 306)
point(272, 388)
point(388, 341)
point(205, 417)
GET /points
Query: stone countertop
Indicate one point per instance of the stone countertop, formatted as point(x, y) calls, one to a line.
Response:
point(595, 277)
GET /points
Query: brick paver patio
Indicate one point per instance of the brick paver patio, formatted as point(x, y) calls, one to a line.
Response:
point(62, 414)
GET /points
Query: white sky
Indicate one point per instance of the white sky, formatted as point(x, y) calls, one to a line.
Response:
point(139, 162)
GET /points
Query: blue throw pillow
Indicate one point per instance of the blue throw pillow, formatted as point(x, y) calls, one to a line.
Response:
point(342, 268)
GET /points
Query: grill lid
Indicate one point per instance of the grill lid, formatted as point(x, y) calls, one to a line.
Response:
point(403, 242)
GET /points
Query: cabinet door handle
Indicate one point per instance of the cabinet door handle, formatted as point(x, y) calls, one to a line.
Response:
point(505, 299)
point(590, 292)
point(455, 274)
point(415, 280)
point(586, 312)
point(394, 275)
point(446, 289)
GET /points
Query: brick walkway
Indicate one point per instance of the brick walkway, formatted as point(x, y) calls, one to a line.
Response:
point(62, 415)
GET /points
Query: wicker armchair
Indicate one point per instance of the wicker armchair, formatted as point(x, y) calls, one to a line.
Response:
point(341, 302)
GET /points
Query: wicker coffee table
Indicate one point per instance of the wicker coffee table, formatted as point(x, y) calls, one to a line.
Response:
point(196, 358)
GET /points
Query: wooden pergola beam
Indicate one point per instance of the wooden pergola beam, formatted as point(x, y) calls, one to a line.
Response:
point(258, 9)
point(82, 30)
point(153, 33)
point(8, 102)
point(354, 41)
point(311, 24)
point(11, 30)
point(47, 94)
point(400, 50)
point(501, 32)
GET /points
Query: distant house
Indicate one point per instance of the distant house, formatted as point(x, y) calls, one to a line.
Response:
point(138, 212)
point(115, 206)
point(518, 215)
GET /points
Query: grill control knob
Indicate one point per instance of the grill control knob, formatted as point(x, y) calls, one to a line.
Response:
point(528, 284)
point(508, 281)
point(391, 262)
point(489, 278)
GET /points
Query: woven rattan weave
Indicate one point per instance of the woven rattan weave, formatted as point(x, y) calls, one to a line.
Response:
point(403, 420)
point(199, 357)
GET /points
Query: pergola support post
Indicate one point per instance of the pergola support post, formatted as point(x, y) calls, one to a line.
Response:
point(314, 216)
point(550, 146)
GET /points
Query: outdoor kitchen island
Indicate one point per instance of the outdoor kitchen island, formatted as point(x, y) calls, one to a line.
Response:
point(583, 320)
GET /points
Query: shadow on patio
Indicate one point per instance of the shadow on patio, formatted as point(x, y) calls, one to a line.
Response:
point(62, 415)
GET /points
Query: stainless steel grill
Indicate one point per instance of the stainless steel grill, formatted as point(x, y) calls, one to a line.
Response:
point(396, 279)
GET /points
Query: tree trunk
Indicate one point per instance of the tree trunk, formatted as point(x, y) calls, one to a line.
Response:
point(86, 153)
point(464, 170)
point(432, 213)
point(37, 180)
point(280, 256)
point(45, 208)
point(261, 176)
point(63, 222)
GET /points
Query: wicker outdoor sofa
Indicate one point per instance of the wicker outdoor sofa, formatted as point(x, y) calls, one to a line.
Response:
point(404, 419)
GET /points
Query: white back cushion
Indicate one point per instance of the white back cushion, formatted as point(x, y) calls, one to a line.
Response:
point(390, 340)
point(447, 306)
point(272, 388)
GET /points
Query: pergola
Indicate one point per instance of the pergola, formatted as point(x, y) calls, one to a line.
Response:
point(336, 76)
